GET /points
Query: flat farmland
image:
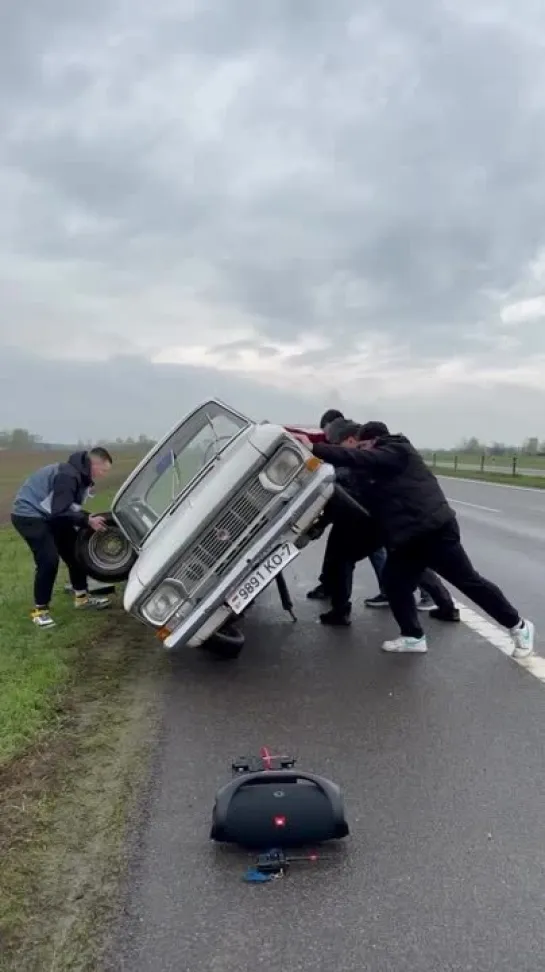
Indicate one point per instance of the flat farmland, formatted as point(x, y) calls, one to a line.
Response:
point(473, 460)
point(15, 466)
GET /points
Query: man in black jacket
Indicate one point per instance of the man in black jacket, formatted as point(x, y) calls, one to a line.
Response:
point(327, 419)
point(421, 530)
point(337, 429)
point(354, 537)
point(46, 512)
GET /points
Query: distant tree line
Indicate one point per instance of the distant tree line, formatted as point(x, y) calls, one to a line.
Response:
point(141, 442)
point(19, 439)
point(22, 440)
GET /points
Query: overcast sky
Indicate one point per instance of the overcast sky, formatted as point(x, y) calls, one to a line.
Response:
point(287, 203)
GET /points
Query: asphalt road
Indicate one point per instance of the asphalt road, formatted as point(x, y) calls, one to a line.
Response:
point(441, 758)
point(504, 532)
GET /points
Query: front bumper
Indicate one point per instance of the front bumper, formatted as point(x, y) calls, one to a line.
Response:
point(209, 616)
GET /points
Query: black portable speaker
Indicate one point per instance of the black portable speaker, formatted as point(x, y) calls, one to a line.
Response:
point(283, 808)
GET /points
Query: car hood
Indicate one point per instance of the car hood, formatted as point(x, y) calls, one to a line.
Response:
point(184, 521)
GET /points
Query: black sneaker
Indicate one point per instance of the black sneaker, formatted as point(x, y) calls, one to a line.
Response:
point(336, 619)
point(378, 601)
point(318, 594)
point(443, 615)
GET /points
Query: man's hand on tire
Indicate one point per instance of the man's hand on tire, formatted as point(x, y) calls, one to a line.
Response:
point(97, 523)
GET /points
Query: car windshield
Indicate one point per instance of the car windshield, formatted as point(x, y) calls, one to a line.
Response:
point(159, 483)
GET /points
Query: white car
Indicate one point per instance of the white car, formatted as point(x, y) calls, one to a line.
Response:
point(205, 522)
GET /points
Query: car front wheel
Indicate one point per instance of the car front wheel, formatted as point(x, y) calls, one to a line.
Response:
point(227, 643)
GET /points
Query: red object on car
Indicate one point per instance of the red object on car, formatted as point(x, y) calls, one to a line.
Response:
point(315, 435)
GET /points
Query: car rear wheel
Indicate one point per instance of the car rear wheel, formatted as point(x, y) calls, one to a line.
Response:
point(106, 556)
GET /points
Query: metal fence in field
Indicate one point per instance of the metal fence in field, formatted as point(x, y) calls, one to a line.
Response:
point(503, 465)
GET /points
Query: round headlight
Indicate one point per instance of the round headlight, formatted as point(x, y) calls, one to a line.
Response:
point(282, 467)
point(162, 603)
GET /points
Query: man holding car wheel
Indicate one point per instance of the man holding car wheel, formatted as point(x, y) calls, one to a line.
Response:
point(47, 512)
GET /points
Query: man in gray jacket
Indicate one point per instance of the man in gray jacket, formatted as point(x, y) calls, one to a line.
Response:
point(46, 512)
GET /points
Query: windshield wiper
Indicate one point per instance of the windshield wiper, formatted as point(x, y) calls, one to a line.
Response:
point(176, 482)
point(214, 433)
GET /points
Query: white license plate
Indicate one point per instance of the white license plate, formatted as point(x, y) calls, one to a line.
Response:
point(255, 582)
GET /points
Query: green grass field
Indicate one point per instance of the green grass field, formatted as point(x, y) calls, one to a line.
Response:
point(76, 720)
point(34, 667)
point(16, 466)
point(502, 479)
point(34, 664)
point(529, 470)
point(491, 462)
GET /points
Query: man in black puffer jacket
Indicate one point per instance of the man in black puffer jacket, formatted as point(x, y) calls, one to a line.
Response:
point(420, 530)
point(354, 537)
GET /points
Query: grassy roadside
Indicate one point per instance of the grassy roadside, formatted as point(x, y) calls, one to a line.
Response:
point(78, 713)
point(34, 664)
point(524, 461)
point(505, 479)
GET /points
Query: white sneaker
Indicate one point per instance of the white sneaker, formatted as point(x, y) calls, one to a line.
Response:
point(415, 646)
point(523, 639)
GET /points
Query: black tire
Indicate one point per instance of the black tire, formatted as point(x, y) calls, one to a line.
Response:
point(106, 556)
point(227, 643)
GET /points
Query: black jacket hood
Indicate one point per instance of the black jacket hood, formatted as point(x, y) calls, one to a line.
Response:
point(81, 461)
point(395, 439)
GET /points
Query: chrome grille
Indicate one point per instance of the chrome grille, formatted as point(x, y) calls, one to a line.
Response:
point(220, 543)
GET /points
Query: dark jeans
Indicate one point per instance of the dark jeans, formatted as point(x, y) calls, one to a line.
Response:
point(353, 536)
point(442, 551)
point(378, 560)
point(48, 542)
point(428, 582)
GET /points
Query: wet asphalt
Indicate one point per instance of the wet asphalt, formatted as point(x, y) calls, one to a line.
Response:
point(442, 763)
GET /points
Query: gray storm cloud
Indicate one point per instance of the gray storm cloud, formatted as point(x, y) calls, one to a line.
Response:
point(281, 198)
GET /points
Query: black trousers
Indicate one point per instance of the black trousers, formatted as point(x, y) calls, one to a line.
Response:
point(353, 538)
point(345, 548)
point(50, 541)
point(442, 551)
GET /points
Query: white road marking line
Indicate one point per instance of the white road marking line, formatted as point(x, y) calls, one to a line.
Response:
point(500, 638)
point(485, 482)
point(474, 506)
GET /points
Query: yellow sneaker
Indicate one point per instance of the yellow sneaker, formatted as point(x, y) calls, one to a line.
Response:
point(42, 618)
point(86, 601)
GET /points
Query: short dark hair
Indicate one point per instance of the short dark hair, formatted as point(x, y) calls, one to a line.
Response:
point(99, 452)
point(330, 416)
point(341, 429)
point(373, 430)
